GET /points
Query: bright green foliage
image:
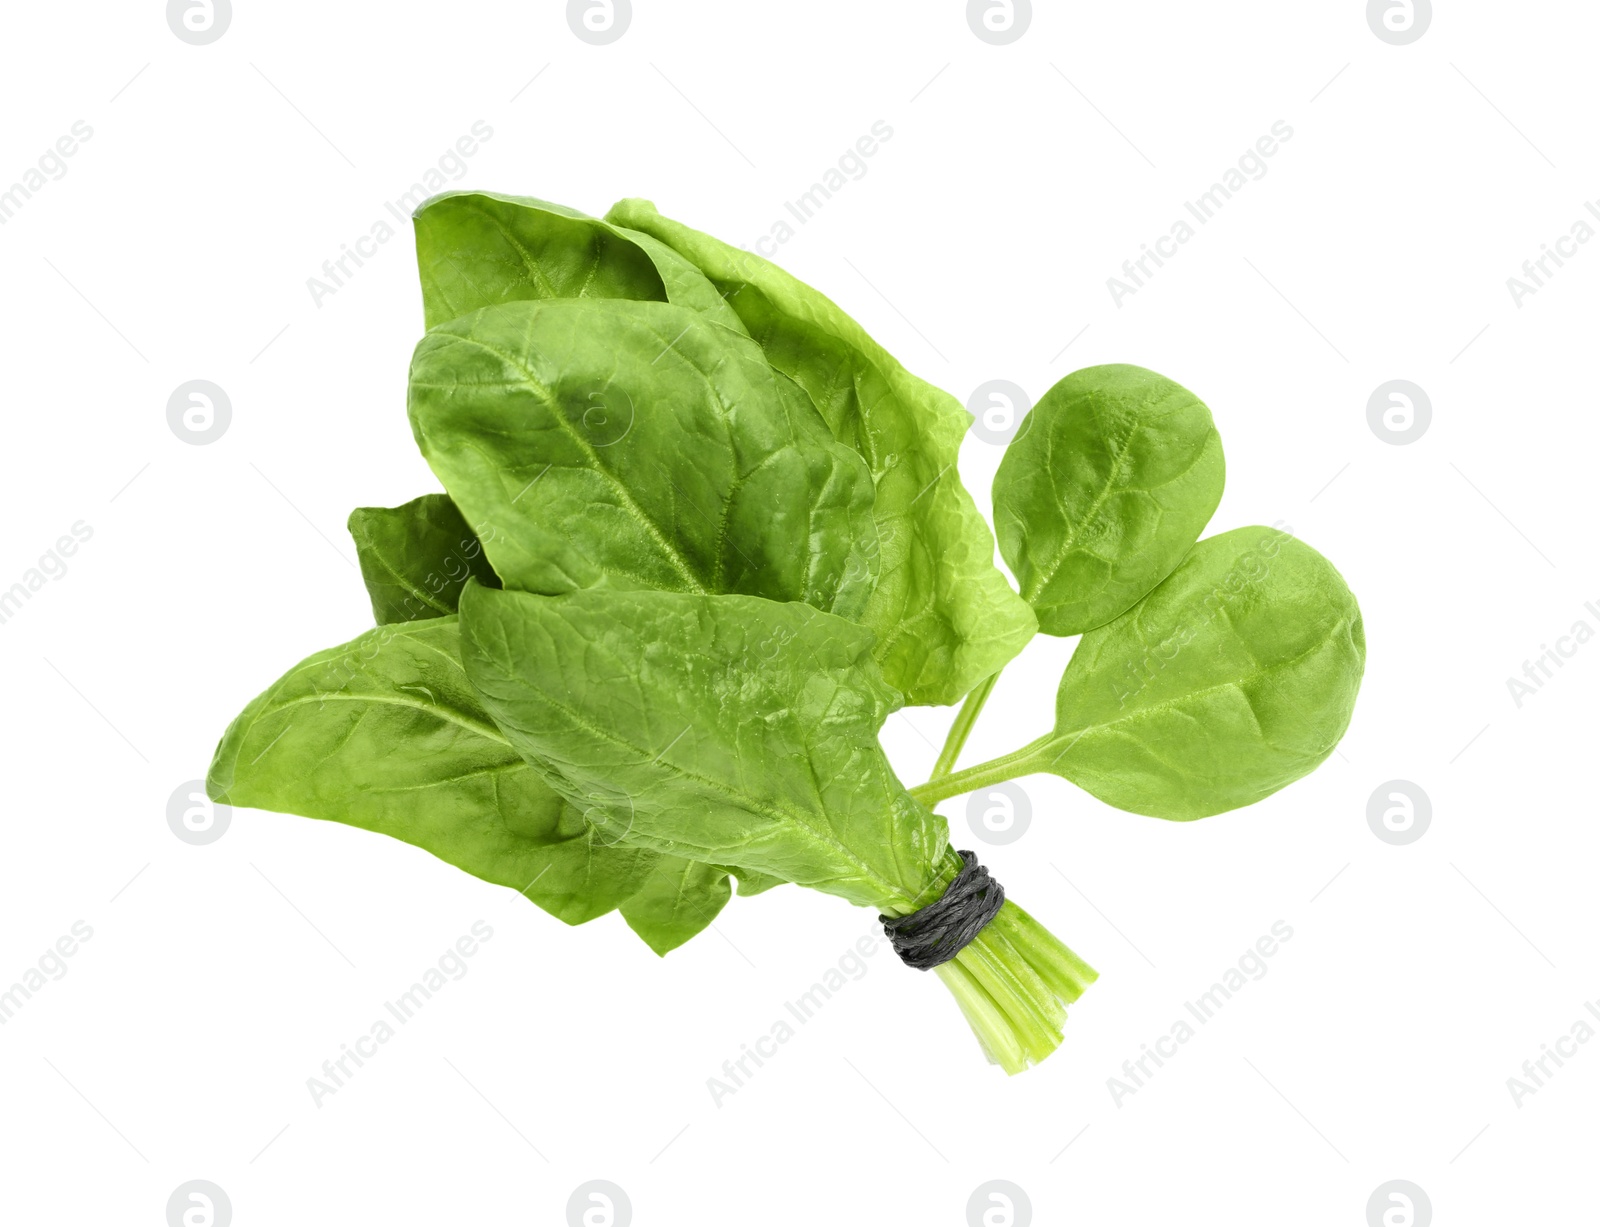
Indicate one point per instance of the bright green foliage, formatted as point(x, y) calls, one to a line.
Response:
point(751, 883)
point(630, 444)
point(652, 706)
point(1109, 481)
point(416, 558)
point(1235, 677)
point(743, 732)
point(387, 734)
point(677, 901)
point(480, 249)
point(944, 615)
point(704, 535)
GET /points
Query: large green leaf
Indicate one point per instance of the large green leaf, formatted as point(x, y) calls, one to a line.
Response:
point(386, 733)
point(1235, 677)
point(681, 898)
point(727, 729)
point(677, 901)
point(751, 883)
point(479, 249)
point(633, 444)
point(1109, 481)
point(945, 616)
point(415, 558)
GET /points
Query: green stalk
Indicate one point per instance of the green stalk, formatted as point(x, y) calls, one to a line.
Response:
point(1037, 1026)
point(1013, 983)
point(961, 729)
point(984, 1017)
point(1014, 994)
point(1026, 761)
point(1040, 947)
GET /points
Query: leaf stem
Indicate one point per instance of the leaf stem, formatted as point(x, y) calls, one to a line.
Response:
point(1026, 761)
point(961, 729)
point(1014, 983)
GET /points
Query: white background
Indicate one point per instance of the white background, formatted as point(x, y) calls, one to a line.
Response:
point(1018, 179)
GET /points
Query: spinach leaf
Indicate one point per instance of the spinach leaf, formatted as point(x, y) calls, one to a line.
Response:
point(415, 558)
point(1109, 481)
point(1235, 677)
point(725, 729)
point(944, 615)
point(751, 883)
point(732, 542)
point(387, 734)
point(479, 249)
point(633, 444)
point(743, 732)
point(677, 901)
point(681, 898)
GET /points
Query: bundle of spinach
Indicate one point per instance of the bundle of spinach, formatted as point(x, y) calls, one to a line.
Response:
point(702, 535)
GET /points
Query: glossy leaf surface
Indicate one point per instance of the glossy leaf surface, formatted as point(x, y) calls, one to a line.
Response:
point(944, 615)
point(480, 249)
point(676, 902)
point(625, 444)
point(416, 558)
point(1110, 479)
point(1235, 677)
point(727, 729)
point(386, 733)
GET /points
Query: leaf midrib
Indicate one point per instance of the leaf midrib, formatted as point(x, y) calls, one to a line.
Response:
point(530, 380)
point(1238, 683)
point(1042, 579)
point(484, 731)
point(792, 821)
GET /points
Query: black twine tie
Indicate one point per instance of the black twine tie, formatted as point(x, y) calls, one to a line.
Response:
point(937, 933)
